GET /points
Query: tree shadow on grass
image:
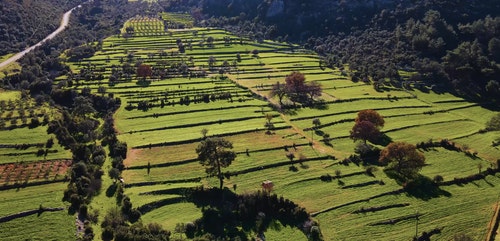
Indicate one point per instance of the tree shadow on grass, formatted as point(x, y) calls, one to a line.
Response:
point(421, 187)
point(111, 190)
point(383, 140)
point(424, 188)
point(143, 83)
point(320, 105)
point(319, 132)
point(228, 215)
point(293, 168)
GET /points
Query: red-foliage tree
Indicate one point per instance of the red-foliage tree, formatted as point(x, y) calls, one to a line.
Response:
point(403, 158)
point(371, 116)
point(296, 89)
point(295, 84)
point(367, 126)
point(364, 130)
point(144, 71)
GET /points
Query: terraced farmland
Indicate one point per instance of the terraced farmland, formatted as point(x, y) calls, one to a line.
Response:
point(210, 79)
point(33, 168)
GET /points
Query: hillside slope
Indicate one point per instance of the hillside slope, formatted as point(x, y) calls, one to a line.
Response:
point(25, 22)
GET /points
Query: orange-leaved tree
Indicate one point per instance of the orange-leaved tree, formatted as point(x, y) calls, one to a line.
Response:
point(402, 157)
point(367, 126)
point(371, 116)
point(144, 71)
point(364, 130)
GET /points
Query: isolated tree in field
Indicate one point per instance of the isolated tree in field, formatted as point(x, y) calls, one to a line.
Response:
point(364, 130)
point(279, 90)
point(313, 90)
point(211, 62)
point(255, 53)
point(316, 122)
point(494, 123)
point(214, 153)
point(290, 156)
point(297, 89)
point(204, 132)
point(371, 116)
point(367, 126)
point(269, 125)
point(403, 158)
point(295, 85)
point(210, 41)
point(144, 71)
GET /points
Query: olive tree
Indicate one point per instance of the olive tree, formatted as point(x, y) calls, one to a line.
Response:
point(214, 153)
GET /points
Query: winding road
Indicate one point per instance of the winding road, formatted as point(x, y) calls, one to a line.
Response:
point(64, 24)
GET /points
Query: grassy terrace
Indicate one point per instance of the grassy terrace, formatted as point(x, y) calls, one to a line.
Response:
point(166, 137)
point(46, 226)
point(21, 163)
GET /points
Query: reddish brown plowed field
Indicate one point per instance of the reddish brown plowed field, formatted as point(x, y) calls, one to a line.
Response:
point(34, 171)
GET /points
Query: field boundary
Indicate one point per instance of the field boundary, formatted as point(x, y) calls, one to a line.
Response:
point(28, 213)
point(395, 192)
point(493, 225)
point(30, 184)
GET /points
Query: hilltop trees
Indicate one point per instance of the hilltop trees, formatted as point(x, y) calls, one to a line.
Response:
point(214, 154)
point(367, 126)
point(403, 158)
point(296, 89)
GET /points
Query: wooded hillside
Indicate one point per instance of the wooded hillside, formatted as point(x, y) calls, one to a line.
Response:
point(25, 22)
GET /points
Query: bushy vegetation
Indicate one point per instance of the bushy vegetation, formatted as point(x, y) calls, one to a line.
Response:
point(24, 23)
point(224, 213)
point(377, 41)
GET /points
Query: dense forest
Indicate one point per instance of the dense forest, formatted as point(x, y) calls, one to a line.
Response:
point(25, 22)
point(452, 45)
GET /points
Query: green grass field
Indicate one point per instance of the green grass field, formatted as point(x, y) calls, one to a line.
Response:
point(46, 226)
point(167, 133)
point(411, 116)
point(21, 164)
